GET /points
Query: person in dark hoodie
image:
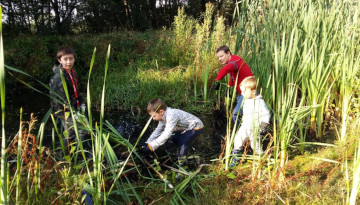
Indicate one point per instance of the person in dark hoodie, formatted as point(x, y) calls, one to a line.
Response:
point(65, 63)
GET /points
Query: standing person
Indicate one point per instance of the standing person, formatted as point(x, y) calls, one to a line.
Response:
point(181, 126)
point(256, 117)
point(65, 63)
point(238, 69)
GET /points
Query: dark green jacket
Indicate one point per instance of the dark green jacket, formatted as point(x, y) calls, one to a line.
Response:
point(56, 84)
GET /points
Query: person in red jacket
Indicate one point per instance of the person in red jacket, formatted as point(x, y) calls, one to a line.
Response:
point(238, 69)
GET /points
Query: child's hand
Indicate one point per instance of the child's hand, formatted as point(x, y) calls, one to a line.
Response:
point(144, 149)
point(263, 130)
point(216, 85)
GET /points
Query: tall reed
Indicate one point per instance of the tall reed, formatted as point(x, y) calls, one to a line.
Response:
point(3, 181)
point(19, 161)
point(231, 128)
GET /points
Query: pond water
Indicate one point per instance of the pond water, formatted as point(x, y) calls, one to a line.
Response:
point(207, 145)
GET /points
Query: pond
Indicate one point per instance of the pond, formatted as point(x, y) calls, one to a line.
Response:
point(207, 145)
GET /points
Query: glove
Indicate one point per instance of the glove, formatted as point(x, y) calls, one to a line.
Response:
point(263, 130)
point(144, 149)
point(216, 85)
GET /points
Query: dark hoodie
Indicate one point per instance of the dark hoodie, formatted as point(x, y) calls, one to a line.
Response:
point(56, 84)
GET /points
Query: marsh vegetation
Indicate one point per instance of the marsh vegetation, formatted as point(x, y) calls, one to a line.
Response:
point(305, 55)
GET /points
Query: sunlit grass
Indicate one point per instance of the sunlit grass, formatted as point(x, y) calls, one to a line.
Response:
point(353, 194)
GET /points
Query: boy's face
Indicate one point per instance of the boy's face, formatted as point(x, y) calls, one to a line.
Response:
point(67, 61)
point(157, 115)
point(223, 57)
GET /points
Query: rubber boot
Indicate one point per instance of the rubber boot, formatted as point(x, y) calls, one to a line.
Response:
point(236, 157)
point(183, 165)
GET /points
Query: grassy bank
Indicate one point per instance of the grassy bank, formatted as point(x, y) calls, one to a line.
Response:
point(132, 54)
point(142, 66)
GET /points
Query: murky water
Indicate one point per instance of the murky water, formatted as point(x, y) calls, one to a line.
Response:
point(207, 145)
point(31, 102)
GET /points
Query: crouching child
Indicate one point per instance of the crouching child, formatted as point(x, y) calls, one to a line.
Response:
point(182, 127)
point(256, 117)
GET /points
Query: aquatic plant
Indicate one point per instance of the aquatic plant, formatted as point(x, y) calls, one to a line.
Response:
point(3, 181)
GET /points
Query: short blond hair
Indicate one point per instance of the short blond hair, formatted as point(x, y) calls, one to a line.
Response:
point(249, 82)
point(155, 105)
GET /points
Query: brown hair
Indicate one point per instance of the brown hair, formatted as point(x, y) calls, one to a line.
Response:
point(65, 51)
point(249, 82)
point(223, 48)
point(155, 105)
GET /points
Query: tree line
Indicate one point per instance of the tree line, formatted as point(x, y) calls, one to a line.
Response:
point(46, 17)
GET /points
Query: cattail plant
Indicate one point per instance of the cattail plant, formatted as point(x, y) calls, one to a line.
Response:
point(3, 186)
point(231, 128)
point(302, 52)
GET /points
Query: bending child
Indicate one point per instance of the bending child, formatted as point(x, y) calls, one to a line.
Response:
point(256, 118)
point(181, 126)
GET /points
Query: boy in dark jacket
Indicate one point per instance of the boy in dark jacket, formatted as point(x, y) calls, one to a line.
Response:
point(66, 59)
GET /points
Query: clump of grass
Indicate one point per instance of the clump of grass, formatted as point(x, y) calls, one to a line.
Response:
point(183, 29)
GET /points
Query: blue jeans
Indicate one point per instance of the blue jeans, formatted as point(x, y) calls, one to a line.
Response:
point(182, 141)
point(239, 100)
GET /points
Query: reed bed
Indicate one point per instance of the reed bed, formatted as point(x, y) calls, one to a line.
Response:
point(304, 54)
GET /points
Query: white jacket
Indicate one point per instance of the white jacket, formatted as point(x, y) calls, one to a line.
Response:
point(255, 112)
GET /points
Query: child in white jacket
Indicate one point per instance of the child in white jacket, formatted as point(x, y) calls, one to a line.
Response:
point(256, 117)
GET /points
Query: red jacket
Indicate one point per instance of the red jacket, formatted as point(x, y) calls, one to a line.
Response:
point(244, 71)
